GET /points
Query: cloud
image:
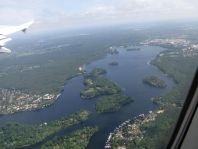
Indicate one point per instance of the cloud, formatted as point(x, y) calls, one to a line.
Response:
point(145, 10)
point(78, 12)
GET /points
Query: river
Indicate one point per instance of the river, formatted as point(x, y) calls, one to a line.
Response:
point(133, 67)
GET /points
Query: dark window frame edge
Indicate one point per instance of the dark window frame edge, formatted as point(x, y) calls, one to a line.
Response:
point(186, 116)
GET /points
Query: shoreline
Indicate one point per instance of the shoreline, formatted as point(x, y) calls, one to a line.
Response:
point(140, 117)
point(74, 77)
point(135, 123)
point(33, 109)
point(57, 95)
point(45, 105)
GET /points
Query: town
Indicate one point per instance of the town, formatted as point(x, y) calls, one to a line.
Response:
point(130, 130)
point(187, 48)
point(14, 100)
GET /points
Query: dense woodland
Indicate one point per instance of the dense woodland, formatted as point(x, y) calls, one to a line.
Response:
point(109, 95)
point(111, 103)
point(96, 85)
point(44, 67)
point(79, 139)
point(15, 135)
point(154, 81)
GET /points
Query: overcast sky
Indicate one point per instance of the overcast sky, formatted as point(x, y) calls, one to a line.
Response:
point(50, 13)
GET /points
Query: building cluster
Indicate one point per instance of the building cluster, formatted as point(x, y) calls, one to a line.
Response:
point(113, 50)
point(188, 49)
point(131, 129)
point(12, 100)
point(174, 42)
point(30, 68)
point(82, 69)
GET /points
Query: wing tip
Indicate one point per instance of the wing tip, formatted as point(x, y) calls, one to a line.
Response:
point(5, 50)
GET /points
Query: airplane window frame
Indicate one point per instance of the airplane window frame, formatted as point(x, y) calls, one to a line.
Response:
point(186, 116)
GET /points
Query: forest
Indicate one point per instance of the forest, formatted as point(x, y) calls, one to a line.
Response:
point(78, 139)
point(96, 85)
point(111, 103)
point(15, 135)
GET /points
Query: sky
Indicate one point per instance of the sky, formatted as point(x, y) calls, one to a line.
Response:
point(76, 13)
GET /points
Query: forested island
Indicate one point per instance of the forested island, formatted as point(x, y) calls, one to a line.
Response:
point(133, 49)
point(15, 135)
point(110, 96)
point(97, 85)
point(114, 63)
point(154, 81)
point(111, 103)
point(78, 139)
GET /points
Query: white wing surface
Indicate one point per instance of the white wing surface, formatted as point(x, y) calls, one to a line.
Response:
point(7, 30)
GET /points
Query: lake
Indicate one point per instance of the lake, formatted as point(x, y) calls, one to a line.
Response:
point(132, 67)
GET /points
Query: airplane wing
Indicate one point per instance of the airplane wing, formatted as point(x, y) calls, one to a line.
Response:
point(2, 43)
point(7, 30)
point(4, 50)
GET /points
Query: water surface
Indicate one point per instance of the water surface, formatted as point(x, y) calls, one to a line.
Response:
point(133, 67)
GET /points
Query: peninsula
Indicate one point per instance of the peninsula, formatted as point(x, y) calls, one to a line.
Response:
point(154, 81)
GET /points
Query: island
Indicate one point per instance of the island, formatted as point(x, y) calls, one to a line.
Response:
point(109, 95)
point(158, 100)
point(114, 63)
point(15, 135)
point(154, 81)
point(111, 103)
point(133, 49)
point(79, 139)
point(97, 85)
point(97, 72)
